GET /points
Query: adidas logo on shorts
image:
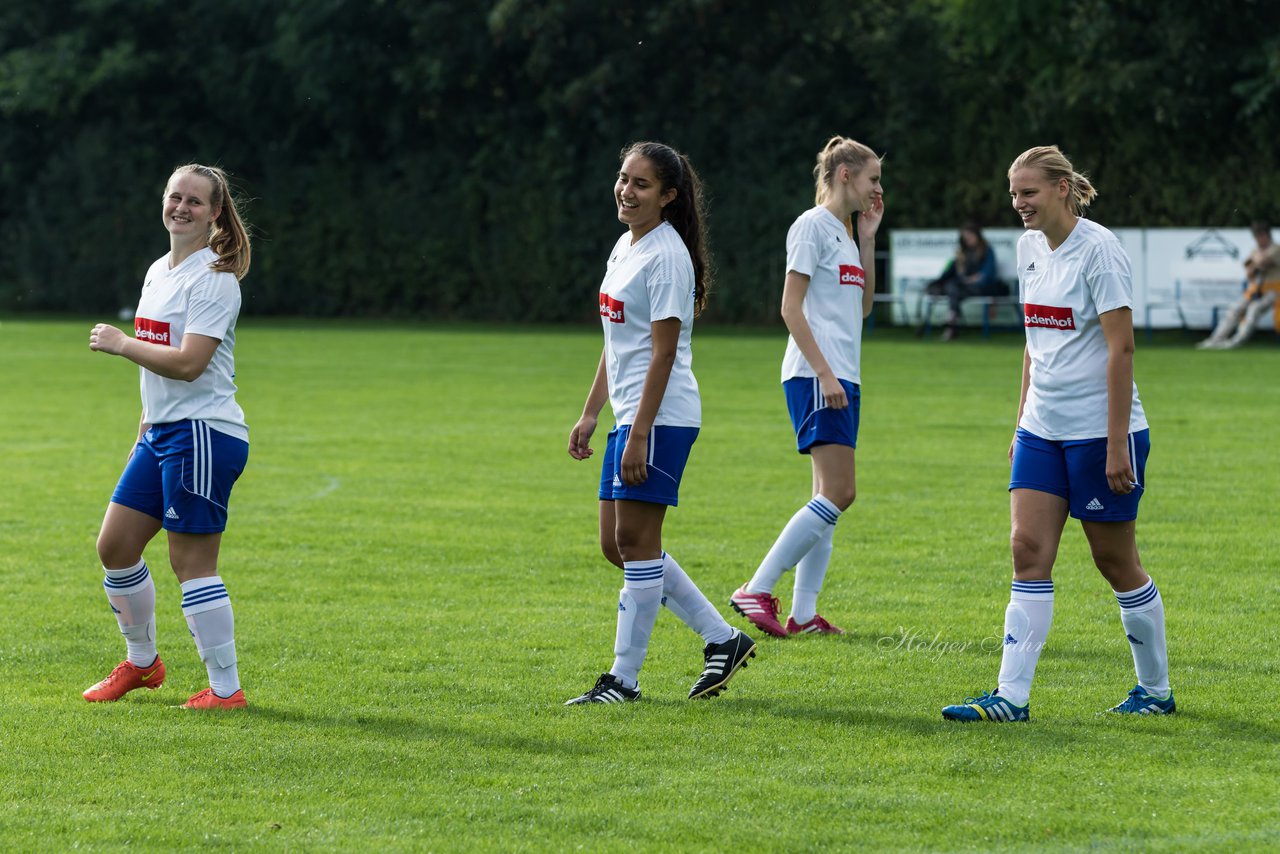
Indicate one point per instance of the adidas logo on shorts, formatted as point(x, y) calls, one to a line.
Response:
point(173, 514)
point(1095, 504)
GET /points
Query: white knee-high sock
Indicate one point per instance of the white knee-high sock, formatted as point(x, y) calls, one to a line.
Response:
point(1142, 615)
point(638, 604)
point(797, 538)
point(132, 595)
point(810, 573)
point(683, 598)
point(207, 608)
point(1026, 625)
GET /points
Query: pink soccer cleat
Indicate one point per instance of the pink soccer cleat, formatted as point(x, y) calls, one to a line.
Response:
point(761, 609)
point(816, 626)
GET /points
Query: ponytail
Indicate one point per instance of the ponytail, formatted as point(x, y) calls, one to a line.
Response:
point(839, 151)
point(1055, 166)
point(228, 236)
point(686, 212)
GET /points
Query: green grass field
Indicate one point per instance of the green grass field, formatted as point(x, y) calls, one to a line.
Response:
point(412, 559)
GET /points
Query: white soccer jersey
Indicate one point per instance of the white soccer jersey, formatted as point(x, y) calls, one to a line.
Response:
point(191, 299)
point(1063, 291)
point(648, 281)
point(818, 246)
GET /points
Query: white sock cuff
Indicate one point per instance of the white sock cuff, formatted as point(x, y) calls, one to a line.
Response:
point(204, 594)
point(825, 510)
point(1144, 598)
point(1032, 591)
point(122, 582)
point(639, 574)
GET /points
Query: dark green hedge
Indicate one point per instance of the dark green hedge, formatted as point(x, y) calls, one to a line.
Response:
point(455, 159)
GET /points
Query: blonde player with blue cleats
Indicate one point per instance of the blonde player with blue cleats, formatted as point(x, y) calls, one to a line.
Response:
point(1082, 440)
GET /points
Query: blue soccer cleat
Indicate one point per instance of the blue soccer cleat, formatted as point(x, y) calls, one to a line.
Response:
point(988, 707)
point(1139, 702)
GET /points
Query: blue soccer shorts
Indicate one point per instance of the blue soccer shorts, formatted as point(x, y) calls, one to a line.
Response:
point(1076, 470)
point(816, 423)
point(182, 473)
point(668, 453)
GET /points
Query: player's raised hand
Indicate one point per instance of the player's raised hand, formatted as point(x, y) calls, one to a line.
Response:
point(869, 220)
point(580, 438)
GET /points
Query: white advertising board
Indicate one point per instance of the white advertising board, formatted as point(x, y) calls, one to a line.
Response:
point(1182, 277)
point(1190, 272)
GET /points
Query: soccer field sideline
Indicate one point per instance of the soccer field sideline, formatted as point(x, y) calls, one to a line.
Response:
point(417, 588)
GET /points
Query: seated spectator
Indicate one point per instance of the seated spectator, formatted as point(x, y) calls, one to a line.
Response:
point(972, 273)
point(1262, 273)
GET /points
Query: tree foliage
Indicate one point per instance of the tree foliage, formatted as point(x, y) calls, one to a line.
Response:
point(455, 160)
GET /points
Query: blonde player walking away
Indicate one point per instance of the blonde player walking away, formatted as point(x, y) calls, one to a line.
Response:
point(192, 441)
point(1082, 440)
point(828, 291)
point(655, 283)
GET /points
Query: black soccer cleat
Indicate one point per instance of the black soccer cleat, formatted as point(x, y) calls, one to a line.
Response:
point(722, 661)
point(608, 689)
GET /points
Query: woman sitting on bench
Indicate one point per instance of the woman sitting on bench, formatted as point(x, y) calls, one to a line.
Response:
point(972, 273)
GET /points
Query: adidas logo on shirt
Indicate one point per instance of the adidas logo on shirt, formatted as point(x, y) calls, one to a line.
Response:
point(171, 514)
point(1094, 504)
point(1031, 268)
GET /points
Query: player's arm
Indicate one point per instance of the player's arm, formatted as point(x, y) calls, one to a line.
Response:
point(580, 435)
point(986, 272)
point(1263, 269)
point(793, 292)
point(665, 334)
point(184, 363)
point(1022, 398)
point(868, 224)
point(1117, 328)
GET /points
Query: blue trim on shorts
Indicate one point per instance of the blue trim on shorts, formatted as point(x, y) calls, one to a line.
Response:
point(814, 422)
point(669, 449)
point(1076, 470)
point(182, 474)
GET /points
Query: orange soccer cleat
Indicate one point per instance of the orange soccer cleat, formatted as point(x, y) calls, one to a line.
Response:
point(206, 699)
point(126, 677)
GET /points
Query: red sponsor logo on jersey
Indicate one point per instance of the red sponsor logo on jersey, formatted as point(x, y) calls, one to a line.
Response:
point(1048, 316)
point(154, 331)
point(611, 308)
point(851, 274)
